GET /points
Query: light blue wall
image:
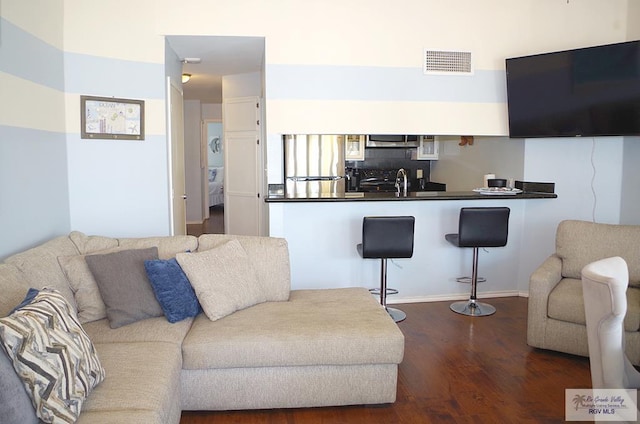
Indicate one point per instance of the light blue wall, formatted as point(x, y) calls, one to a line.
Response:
point(630, 203)
point(118, 188)
point(34, 194)
point(587, 173)
point(51, 180)
point(370, 83)
point(28, 57)
point(34, 198)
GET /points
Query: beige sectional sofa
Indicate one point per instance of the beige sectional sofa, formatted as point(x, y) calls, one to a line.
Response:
point(308, 348)
point(556, 314)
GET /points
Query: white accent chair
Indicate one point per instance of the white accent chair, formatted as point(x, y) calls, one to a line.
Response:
point(604, 286)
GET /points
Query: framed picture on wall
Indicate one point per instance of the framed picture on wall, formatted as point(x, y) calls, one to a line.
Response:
point(111, 118)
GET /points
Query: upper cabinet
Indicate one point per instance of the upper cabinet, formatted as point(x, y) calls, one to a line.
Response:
point(428, 147)
point(354, 147)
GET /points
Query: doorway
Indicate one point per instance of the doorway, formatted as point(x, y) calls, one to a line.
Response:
point(213, 184)
point(209, 60)
point(214, 224)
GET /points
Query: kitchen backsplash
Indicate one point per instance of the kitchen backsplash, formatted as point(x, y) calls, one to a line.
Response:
point(392, 158)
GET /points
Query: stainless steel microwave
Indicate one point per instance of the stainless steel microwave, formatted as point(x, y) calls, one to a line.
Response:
point(392, 140)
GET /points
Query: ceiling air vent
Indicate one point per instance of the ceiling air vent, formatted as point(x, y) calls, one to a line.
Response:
point(447, 62)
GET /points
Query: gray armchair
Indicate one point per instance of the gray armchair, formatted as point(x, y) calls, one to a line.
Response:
point(556, 314)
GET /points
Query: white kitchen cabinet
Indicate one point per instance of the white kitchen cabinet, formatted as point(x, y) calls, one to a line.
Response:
point(354, 147)
point(428, 147)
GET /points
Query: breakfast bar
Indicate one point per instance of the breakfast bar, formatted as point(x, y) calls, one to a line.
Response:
point(323, 231)
point(413, 195)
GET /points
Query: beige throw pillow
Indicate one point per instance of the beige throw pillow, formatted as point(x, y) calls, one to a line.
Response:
point(84, 287)
point(223, 279)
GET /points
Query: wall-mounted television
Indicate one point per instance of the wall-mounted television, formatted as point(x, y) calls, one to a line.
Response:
point(587, 92)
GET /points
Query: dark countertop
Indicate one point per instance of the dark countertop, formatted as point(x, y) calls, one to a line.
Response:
point(415, 195)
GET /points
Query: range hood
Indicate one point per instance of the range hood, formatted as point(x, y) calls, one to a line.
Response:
point(392, 140)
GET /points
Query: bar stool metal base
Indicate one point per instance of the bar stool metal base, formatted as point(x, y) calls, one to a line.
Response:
point(396, 314)
point(472, 308)
point(469, 280)
point(376, 291)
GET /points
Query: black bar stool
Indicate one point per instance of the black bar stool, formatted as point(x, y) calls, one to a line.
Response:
point(479, 227)
point(385, 237)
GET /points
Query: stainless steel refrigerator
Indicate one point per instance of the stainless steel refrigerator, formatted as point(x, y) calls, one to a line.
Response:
point(314, 165)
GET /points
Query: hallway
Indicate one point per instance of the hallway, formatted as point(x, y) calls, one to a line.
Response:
point(213, 225)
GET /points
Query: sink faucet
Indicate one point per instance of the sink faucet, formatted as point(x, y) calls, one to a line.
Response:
point(403, 173)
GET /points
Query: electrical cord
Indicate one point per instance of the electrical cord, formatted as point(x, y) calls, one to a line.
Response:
point(593, 178)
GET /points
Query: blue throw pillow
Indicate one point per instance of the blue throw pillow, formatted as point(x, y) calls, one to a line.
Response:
point(172, 289)
point(31, 294)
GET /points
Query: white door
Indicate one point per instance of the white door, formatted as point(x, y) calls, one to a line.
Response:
point(243, 204)
point(178, 210)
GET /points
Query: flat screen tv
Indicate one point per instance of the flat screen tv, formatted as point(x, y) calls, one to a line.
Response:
point(587, 92)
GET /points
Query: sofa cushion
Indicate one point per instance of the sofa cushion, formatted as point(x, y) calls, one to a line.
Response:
point(142, 384)
point(566, 304)
point(269, 257)
point(106, 416)
point(91, 244)
point(223, 279)
point(579, 243)
point(40, 267)
point(172, 289)
point(15, 403)
point(156, 329)
point(85, 289)
point(124, 286)
point(52, 354)
point(13, 288)
point(315, 327)
point(168, 246)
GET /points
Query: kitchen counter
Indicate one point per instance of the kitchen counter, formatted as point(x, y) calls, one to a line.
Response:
point(323, 232)
point(414, 195)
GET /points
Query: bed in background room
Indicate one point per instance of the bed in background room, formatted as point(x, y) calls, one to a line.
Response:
point(216, 180)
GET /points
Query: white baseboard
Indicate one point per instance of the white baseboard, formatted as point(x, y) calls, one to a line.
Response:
point(445, 297)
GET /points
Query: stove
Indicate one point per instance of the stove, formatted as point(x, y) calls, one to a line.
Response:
point(380, 180)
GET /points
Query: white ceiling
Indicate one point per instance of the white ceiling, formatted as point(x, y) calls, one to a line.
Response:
point(219, 56)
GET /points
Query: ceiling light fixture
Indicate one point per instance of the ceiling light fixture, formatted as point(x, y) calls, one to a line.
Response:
point(186, 78)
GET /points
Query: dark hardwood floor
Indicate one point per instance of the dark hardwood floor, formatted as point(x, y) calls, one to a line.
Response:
point(213, 225)
point(456, 369)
